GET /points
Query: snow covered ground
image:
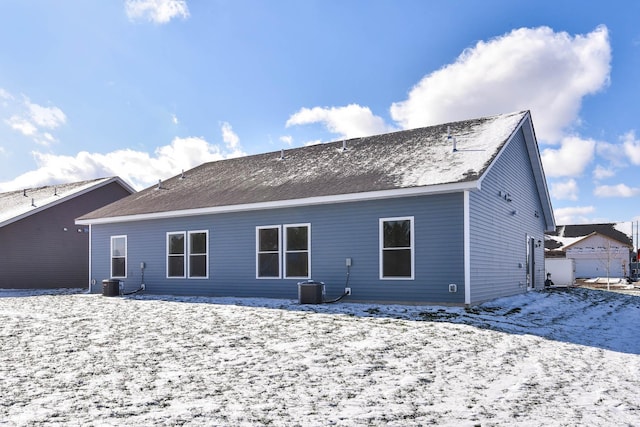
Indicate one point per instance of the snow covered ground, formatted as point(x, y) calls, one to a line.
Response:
point(562, 357)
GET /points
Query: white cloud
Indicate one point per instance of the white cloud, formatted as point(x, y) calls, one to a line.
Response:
point(613, 153)
point(157, 11)
point(138, 168)
point(34, 120)
point(5, 95)
point(231, 140)
point(573, 215)
point(527, 69)
point(287, 139)
point(22, 125)
point(601, 172)
point(174, 119)
point(619, 190)
point(570, 159)
point(631, 147)
point(567, 190)
point(46, 117)
point(352, 121)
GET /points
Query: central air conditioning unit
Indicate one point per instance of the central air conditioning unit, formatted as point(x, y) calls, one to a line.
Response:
point(310, 292)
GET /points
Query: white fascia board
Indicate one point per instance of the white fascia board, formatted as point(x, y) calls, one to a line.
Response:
point(502, 150)
point(122, 182)
point(538, 173)
point(536, 163)
point(63, 199)
point(309, 201)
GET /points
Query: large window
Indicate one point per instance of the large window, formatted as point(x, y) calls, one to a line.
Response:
point(297, 260)
point(287, 245)
point(176, 254)
point(119, 256)
point(198, 254)
point(268, 252)
point(188, 258)
point(396, 248)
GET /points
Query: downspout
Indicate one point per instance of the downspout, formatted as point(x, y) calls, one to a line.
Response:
point(467, 250)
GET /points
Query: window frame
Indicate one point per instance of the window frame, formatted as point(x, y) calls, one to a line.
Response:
point(259, 252)
point(184, 254)
point(111, 256)
point(190, 254)
point(382, 249)
point(286, 251)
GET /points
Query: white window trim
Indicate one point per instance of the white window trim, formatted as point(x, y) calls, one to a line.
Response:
point(381, 247)
point(167, 255)
point(126, 250)
point(268, 227)
point(188, 244)
point(285, 250)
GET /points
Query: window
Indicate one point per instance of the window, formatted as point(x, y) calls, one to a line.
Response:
point(198, 254)
point(297, 259)
point(190, 260)
point(396, 248)
point(119, 256)
point(268, 252)
point(176, 254)
point(293, 248)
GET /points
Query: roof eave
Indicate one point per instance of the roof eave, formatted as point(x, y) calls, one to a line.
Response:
point(66, 198)
point(531, 143)
point(595, 233)
point(308, 201)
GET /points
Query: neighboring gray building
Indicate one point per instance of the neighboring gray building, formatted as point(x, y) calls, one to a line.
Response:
point(454, 213)
point(40, 244)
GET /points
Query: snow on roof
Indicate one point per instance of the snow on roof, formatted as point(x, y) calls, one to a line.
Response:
point(624, 227)
point(476, 144)
point(563, 242)
point(415, 158)
point(17, 204)
point(568, 235)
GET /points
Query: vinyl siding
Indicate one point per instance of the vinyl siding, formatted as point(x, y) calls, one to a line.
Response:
point(37, 252)
point(346, 230)
point(498, 237)
point(599, 256)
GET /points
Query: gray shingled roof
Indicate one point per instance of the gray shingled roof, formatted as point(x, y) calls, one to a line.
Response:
point(400, 160)
point(18, 204)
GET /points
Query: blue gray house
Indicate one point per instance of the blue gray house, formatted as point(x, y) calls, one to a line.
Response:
point(454, 213)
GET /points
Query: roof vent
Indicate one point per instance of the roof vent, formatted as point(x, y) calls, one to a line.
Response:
point(182, 174)
point(24, 192)
point(281, 154)
point(33, 202)
point(344, 146)
point(451, 139)
point(55, 191)
point(159, 187)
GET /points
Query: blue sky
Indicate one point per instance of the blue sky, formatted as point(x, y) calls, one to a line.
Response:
point(143, 89)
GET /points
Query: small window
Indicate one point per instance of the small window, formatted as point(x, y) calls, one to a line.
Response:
point(176, 254)
point(268, 252)
point(198, 254)
point(119, 256)
point(396, 248)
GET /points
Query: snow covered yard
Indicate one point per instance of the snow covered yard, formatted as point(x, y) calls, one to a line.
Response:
point(564, 357)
